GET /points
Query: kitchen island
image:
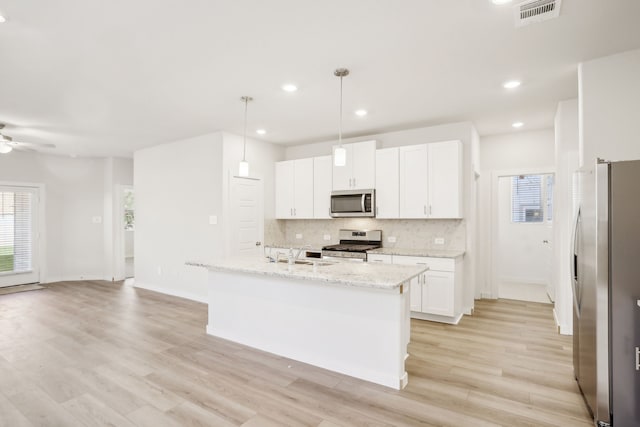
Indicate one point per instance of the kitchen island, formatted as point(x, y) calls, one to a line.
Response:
point(352, 318)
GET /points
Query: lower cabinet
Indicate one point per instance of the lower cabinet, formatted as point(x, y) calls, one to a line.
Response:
point(436, 294)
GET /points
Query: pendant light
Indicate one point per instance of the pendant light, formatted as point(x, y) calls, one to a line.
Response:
point(243, 168)
point(340, 153)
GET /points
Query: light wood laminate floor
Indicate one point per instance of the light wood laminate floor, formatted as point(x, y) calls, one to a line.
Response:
point(107, 354)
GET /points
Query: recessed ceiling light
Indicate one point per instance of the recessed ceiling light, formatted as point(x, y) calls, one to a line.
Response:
point(289, 88)
point(2, 19)
point(517, 125)
point(499, 2)
point(511, 84)
point(261, 131)
point(361, 113)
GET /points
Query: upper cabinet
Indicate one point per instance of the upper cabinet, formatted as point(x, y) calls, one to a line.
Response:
point(294, 189)
point(430, 180)
point(387, 183)
point(322, 187)
point(360, 168)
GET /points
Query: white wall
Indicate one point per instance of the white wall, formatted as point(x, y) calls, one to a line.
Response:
point(178, 186)
point(74, 194)
point(518, 151)
point(566, 158)
point(463, 131)
point(609, 97)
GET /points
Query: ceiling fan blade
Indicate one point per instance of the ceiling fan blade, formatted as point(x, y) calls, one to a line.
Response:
point(34, 144)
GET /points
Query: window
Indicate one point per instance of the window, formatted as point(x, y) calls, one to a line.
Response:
point(129, 217)
point(532, 198)
point(15, 231)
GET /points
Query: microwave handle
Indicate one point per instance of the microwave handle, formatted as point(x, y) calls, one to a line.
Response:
point(362, 202)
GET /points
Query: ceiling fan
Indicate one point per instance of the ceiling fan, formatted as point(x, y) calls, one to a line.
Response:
point(7, 144)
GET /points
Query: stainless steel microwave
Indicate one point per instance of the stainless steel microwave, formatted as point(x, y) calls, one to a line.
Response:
point(353, 203)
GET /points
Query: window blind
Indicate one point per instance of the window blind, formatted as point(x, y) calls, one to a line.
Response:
point(16, 229)
point(526, 198)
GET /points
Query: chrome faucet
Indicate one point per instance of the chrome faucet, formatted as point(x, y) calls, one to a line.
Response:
point(292, 259)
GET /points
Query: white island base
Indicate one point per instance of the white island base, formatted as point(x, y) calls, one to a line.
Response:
point(354, 330)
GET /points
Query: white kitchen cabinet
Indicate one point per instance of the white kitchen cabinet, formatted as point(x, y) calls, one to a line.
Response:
point(431, 180)
point(436, 294)
point(416, 285)
point(359, 169)
point(413, 182)
point(387, 183)
point(294, 189)
point(445, 179)
point(322, 169)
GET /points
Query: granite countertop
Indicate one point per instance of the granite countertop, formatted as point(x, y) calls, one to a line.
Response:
point(283, 245)
point(433, 253)
point(358, 274)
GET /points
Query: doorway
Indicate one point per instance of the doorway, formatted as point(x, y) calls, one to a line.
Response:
point(128, 214)
point(524, 223)
point(247, 216)
point(19, 235)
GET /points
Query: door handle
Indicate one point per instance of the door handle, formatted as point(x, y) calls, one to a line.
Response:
point(637, 358)
point(350, 185)
point(354, 182)
point(294, 212)
point(258, 243)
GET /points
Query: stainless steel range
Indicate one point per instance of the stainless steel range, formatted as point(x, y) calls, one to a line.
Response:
point(354, 245)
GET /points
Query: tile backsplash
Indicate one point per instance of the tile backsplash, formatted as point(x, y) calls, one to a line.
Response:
point(408, 233)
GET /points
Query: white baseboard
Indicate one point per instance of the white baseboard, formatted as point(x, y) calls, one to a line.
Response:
point(563, 329)
point(525, 280)
point(72, 278)
point(487, 295)
point(172, 292)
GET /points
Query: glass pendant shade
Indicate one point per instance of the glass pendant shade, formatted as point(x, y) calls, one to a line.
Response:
point(5, 148)
point(340, 156)
point(243, 168)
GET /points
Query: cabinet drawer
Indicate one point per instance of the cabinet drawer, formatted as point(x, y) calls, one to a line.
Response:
point(380, 258)
point(435, 264)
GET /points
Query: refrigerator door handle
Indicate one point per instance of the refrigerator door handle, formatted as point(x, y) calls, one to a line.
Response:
point(575, 283)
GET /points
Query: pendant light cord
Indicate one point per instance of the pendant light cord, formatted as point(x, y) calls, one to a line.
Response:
point(340, 127)
point(244, 140)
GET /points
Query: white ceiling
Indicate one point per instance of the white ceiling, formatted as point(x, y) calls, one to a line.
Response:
point(102, 77)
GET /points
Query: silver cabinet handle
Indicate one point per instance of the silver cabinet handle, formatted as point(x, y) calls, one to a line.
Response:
point(430, 210)
point(424, 208)
point(349, 182)
point(377, 209)
point(294, 212)
point(354, 182)
point(291, 211)
point(637, 358)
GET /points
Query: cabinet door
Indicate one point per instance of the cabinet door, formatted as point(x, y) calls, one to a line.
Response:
point(343, 175)
point(284, 189)
point(415, 293)
point(445, 179)
point(387, 183)
point(414, 181)
point(303, 188)
point(438, 293)
point(380, 258)
point(364, 164)
point(322, 187)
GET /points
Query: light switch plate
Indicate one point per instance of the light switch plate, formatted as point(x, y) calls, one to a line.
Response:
point(327, 237)
point(298, 235)
point(439, 240)
point(391, 239)
point(213, 219)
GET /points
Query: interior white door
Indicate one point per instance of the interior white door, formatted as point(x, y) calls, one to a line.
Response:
point(247, 216)
point(19, 208)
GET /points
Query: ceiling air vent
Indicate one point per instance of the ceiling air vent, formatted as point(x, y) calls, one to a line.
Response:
point(533, 11)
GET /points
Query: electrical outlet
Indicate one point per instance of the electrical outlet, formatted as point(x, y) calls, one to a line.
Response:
point(439, 240)
point(327, 237)
point(391, 239)
point(298, 235)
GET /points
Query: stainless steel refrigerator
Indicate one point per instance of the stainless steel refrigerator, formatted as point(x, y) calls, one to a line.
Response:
point(606, 291)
